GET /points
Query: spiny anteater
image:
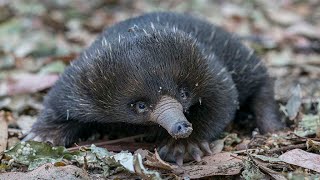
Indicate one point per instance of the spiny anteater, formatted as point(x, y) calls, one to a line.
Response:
point(171, 74)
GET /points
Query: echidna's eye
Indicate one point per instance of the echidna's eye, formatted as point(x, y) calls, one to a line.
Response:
point(184, 94)
point(141, 107)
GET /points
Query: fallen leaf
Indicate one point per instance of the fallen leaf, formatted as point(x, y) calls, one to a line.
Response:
point(243, 145)
point(133, 164)
point(218, 164)
point(303, 29)
point(272, 173)
point(142, 152)
point(142, 171)
point(25, 123)
point(3, 132)
point(21, 103)
point(54, 67)
point(302, 158)
point(233, 10)
point(27, 83)
point(251, 171)
point(48, 171)
point(280, 59)
point(308, 125)
point(266, 158)
point(283, 17)
point(313, 145)
point(294, 102)
point(154, 160)
point(125, 159)
point(35, 154)
point(101, 153)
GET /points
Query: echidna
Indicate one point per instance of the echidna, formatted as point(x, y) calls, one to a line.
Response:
point(169, 74)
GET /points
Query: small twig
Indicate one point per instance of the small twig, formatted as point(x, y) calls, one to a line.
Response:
point(85, 162)
point(249, 155)
point(306, 138)
point(246, 150)
point(241, 158)
point(107, 142)
point(287, 148)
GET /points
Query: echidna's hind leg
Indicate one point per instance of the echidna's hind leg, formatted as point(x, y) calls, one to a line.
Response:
point(265, 108)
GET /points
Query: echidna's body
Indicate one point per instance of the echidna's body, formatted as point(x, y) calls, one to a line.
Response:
point(165, 69)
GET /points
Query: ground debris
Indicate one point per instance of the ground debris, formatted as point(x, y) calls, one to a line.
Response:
point(39, 38)
point(302, 158)
point(49, 171)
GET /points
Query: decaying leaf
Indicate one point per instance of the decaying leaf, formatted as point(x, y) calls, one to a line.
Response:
point(266, 158)
point(3, 132)
point(49, 171)
point(218, 164)
point(133, 164)
point(308, 125)
point(54, 67)
point(302, 158)
point(251, 171)
point(27, 83)
point(294, 102)
point(283, 17)
point(125, 159)
point(272, 173)
point(154, 160)
point(101, 153)
point(142, 171)
point(313, 145)
point(35, 154)
point(25, 123)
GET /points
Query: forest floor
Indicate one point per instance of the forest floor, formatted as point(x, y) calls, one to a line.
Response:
point(39, 38)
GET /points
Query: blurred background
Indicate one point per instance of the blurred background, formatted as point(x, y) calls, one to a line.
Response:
point(39, 38)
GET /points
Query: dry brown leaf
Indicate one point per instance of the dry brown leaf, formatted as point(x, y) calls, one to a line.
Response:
point(218, 164)
point(48, 171)
point(27, 83)
point(302, 158)
point(142, 152)
point(264, 167)
point(272, 173)
point(313, 145)
point(303, 29)
point(243, 145)
point(3, 132)
point(154, 160)
point(283, 17)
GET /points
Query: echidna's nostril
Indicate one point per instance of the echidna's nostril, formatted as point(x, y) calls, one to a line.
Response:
point(186, 125)
point(182, 128)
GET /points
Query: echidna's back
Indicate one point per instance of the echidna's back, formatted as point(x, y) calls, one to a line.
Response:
point(247, 70)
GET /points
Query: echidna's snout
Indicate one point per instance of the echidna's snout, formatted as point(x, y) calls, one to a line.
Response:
point(181, 129)
point(168, 113)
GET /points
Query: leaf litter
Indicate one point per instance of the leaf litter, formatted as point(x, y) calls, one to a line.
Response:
point(39, 38)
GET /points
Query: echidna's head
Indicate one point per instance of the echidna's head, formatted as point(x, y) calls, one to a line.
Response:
point(149, 78)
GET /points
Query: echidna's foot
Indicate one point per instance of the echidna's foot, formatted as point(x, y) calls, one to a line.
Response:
point(183, 150)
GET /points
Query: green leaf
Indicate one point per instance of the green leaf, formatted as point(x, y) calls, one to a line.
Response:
point(55, 67)
point(35, 154)
point(308, 125)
